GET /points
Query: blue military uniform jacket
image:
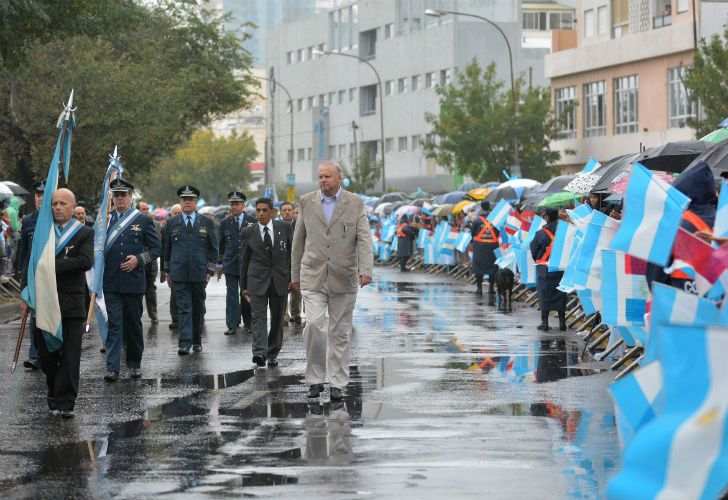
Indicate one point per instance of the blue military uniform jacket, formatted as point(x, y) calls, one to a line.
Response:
point(231, 243)
point(140, 239)
point(190, 256)
point(27, 229)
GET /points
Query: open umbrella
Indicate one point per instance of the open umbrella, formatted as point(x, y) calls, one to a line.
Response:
point(535, 194)
point(467, 186)
point(5, 192)
point(506, 193)
point(582, 183)
point(418, 195)
point(15, 188)
point(719, 135)
point(382, 209)
point(519, 183)
point(451, 198)
point(461, 206)
point(443, 210)
point(612, 169)
point(392, 197)
point(562, 199)
point(620, 186)
point(477, 194)
point(716, 158)
point(672, 156)
point(406, 210)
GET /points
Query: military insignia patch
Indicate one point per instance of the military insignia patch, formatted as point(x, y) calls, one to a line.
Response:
point(203, 230)
point(135, 227)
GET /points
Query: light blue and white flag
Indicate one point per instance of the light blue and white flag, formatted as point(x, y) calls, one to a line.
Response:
point(634, 398)
point(464, 238)
point(430, 256)
point(590, 166)
point(624, 289)
point(500, 213)
point(526, 266)
point(385, 251)
point(389, 230)
point(683, 452)
point(427, 208)
point(41, 293)
point(563, 246)
point(676, 307)
point(598, 236)
point(580, 216)
point(652, 213)
point(449, 239)
point(422, 237)
point(720, 227)
point(507, 260)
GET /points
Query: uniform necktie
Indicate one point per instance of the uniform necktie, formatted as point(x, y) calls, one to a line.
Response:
point(240, 223)
point(189, 224)
point(114, 218)
point(267, 240)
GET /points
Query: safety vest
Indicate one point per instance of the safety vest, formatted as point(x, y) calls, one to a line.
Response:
point(487, 226)
point(701, 226)
point(400, 233)
point(545, 257)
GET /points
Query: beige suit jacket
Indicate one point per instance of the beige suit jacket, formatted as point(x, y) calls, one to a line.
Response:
point(333, 253)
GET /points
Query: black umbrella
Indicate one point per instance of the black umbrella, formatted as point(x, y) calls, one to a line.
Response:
point(716, 158)
point(467, 186)
point(506, 193)
point(554, 185)
point(17, 189)
point(611, 170)
point(392, 197)
point(672, 156)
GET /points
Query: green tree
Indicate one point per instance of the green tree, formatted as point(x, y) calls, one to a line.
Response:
point(475, 127)
point(214, 165)
point(145, 89)
point(707, 81)
point(364, 174)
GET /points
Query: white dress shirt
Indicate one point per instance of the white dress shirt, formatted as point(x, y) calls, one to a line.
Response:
point(270, 231)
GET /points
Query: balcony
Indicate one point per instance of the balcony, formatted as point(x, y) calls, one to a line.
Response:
point(662, 21)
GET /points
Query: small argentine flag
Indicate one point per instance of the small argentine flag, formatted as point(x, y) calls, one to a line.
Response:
point(563, 245)
point(624, 289)
point(652, 213)
point(427, 208)
point(461, 245)
point(720, 228)
point(591, 166)
point(634, 398)
point(500, 213)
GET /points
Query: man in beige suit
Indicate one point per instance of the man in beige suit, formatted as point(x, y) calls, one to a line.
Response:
point(331, 257)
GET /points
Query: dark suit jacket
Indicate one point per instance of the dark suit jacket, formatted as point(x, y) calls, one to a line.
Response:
point(258, 266)
point(71, 266)
point(231, 243)
point(27, 229)
point(139, 239)
point(190, 256)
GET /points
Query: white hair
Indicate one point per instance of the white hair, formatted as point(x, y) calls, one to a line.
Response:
point(334, 164)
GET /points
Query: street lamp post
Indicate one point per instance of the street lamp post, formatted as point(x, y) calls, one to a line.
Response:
point(381, 102)
point(290, 103)
point(440, 13)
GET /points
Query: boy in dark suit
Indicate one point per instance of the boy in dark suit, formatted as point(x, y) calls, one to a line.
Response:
point(265, 277)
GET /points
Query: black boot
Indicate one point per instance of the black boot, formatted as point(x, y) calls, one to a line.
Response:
point(479, 284)
point(562, 321)
point(544, 326)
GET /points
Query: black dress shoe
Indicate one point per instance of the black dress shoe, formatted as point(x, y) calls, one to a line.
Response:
point(102, 350)
point(562, 326)
point(111, 376)
point(259, 360)
point(336, 394)
point(52, 404)
point(173, 326)
point(197, 348)
point(135, 372)
point(272, 362)
point(67, 414)
point(315, 391)
point(231, 331)
point(184, 351)
point(31, 363)
point(543, 327)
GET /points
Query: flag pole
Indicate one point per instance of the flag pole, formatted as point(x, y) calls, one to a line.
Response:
point(19, 343)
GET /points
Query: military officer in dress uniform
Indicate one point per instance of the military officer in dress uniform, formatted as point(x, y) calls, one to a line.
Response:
point(229, 262)
point(131, 244)
point(27, 229)
point(190, 256)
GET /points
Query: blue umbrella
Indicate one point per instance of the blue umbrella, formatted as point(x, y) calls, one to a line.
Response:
point(449, 198)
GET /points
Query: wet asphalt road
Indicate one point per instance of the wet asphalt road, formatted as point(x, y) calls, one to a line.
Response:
point(447, 399)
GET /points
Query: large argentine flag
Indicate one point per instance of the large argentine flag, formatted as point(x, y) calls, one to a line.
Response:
point(500, 213)
point(652, 213)
point(634, 400)
point(598, 236)
point(683, 453)
point(563, 245)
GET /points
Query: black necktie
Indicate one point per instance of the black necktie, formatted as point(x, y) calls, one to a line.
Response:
point(114, 217)
point(267, 240)
point(189, 224)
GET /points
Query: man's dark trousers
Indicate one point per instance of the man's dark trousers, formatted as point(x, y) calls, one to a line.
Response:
point(233, 310)
point(150, 297)
point(190, 309)
point(124, 310)
point(268, 344)
point(61, 367)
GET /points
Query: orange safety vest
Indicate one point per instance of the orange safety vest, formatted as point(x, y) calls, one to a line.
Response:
point(487, 226)
point(701, 226)
point(400, 233)
point(545, 257)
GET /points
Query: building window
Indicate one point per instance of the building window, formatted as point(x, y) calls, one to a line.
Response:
point(681, 106)
point(332, 152)
point(309, 152)
point(389, 30)
point(402, 144)
point(445, 77)
point(368, 100)
point(322, 47)
point(309, 53)
point(565, 107)
point(389, 145)
point(289, 57)
point(625, 104)
point(342, 96)
point(661, 13)
point(588, 23)
point(301, 154)
point(595, 109)
point(352, 94)
point(368, 44)
point(415, 142)
point(682, 5)
point(402, 85)
point(545, 21)
point(311, 102)
point(416, 82)
point(332, 99)
point(620, 18)
point(301, 55)
point(602, 21)
point(389, 87)
point(322, 100)
point(430, 79)
point(343, 27)
point(299, 105)
point(342, 151)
